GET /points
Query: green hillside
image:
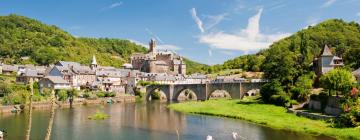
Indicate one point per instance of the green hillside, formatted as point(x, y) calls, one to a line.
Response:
point(302, 47)
point(28, 41)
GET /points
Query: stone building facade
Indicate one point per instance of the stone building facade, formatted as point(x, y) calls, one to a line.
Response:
point(158, 61)
point(326, 62)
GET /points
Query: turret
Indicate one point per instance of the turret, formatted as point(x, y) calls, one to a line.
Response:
point(152, 45)
point(93, 64)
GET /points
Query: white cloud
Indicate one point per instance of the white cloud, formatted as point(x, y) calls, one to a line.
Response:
point(198, 21)
point(215, 19)
point(328, 3)
point(168, 47)
point(358, 14)
point(246, 40)
point(114, 5)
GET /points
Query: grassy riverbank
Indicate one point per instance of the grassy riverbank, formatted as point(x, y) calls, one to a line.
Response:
point(267, 115)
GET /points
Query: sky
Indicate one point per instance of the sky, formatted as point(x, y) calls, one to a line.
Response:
point(206, 31)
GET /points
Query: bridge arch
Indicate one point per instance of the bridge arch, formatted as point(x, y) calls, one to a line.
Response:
point(185, 94)
point(157, 92)
point(219, 93)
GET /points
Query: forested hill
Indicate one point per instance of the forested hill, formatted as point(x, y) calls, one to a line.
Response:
point(28, 41)
point(22, 37)
point(299, 50)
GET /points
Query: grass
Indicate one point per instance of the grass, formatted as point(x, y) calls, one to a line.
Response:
point(98, 116)
point(267, 115)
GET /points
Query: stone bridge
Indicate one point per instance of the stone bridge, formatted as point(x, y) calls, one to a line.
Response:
point(203, 91)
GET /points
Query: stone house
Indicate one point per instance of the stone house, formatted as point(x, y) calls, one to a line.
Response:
point(9, 69)
point(112, 80)
point(27, 72)
point(25, 76)
point(54, 82)
point(326, 62)
point(77, 75)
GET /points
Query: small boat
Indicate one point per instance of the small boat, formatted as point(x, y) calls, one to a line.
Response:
point(209, 137)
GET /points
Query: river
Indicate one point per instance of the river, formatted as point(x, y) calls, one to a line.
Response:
point(138, 121)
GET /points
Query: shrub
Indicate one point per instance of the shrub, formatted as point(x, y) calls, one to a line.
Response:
point(17, 97)
point(61, 95)
point(100, 94)
point(279, 100)
point(110, 94)
point(270, 89)
point(86, 95)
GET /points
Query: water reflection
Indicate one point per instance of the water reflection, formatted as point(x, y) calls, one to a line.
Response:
point(151, 120)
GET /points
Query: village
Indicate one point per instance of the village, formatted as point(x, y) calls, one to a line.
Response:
point(158, 66)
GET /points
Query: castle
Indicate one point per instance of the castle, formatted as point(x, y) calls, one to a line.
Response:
point(158, 61)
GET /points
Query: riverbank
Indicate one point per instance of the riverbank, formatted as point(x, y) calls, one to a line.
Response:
point(267, 115)
point(77, 102)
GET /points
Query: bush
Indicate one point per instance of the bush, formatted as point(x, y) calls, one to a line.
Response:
point(279, 100)
point(61, 95)
point(110, 94)
point(17, 97)
point(270, 89)
point(86, 95)
point(100, 94)
point(300, 94)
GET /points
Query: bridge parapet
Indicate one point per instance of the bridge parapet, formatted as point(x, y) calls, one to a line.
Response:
point(203, 91)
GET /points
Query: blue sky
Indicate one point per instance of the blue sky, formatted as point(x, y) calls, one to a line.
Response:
point(207, 31)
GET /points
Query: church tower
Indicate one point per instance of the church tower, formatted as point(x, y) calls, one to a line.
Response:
point(152, 45)
point(93, 64)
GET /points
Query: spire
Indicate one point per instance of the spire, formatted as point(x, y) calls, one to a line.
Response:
point(93, 62)
point(326, 51)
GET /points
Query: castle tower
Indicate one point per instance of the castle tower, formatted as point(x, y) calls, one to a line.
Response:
point(152, 45)
point(93, 64)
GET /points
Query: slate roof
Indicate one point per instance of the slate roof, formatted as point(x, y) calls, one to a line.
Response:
point(56, 79)
point(32, 73)
point(64, 70)
point(82, 70)
point(12, 68)
point(326, 51)
point(113, 73)
point(67, 63)
point(197, 76)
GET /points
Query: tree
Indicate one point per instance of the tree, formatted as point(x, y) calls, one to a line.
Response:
point(71, 94)
point(279, 65)
point(61, 95)
point(270, 89)
point(338, 80)
point(303, 87)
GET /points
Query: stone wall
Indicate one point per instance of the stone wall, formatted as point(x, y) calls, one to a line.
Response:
point(77, 102)
point(330, 107)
